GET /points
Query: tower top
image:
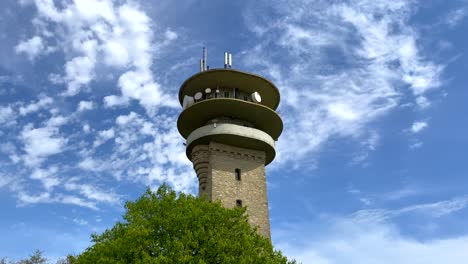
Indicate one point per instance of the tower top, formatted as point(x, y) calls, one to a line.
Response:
point(232, 78)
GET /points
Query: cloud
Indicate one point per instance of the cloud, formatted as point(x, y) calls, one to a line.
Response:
point(455, 17)
point(5, 180)
point(418, 127)
point(346, 241)
point(373, 236)
point(339, 66)
point(436, 209)
point(100, 35)
point(43, 102)
point(32, 47)
point(92, 193)
point(144, 151)
point(85, 105)
point(47, 177)
point(40, 143)
point(103, 136)
point(80, 221)
point(6, 115)
point(25, 198)
point(113, 100)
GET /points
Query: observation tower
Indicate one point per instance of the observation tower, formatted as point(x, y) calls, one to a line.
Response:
point(230, 124)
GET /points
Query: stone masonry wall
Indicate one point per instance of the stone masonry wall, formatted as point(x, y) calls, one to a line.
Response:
point(221, 183)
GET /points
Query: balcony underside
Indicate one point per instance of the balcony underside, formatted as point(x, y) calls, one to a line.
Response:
point(197, 115)
point(233, 135)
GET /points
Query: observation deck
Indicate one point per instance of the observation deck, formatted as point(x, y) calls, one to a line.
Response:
point(230, 107)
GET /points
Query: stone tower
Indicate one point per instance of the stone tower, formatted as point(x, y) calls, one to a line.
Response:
point(230, 124)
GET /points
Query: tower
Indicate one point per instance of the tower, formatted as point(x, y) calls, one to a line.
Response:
point(230, 125)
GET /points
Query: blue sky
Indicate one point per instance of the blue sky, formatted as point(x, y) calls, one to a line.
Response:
point(371, 166)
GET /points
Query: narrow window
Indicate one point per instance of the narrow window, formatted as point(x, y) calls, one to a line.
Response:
point(238, 174)
point(226, 94)
point(239, 203)
point(246, 98)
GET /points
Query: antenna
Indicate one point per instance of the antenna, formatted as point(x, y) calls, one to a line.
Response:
point(205, 58)
point(225, 59)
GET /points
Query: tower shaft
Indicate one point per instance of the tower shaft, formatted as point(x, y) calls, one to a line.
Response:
point(236, 177)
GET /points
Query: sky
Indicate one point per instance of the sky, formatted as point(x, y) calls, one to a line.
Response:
point(371, 165)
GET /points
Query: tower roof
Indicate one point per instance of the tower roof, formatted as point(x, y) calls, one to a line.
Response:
point(248, 82)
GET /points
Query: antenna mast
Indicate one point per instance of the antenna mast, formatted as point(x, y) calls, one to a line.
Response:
point(204, 60)
point(227, 60)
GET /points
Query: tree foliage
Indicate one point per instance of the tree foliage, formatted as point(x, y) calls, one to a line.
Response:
point(161, 227)
point(35, 258)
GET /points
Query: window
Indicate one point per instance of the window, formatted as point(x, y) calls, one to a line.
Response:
point(239, 203)
point(246, 98)
point(226, 94)
point(238, 174)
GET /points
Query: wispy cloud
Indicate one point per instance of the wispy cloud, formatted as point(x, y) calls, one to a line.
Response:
point(455, 17)
point(436, 209)
point(39, 143)
point(340, 67)
point(418, 126)
point(101, 34)
point(345, 241)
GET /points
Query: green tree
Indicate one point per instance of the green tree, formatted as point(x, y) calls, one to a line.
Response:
point(35, 258)
point(161, 227)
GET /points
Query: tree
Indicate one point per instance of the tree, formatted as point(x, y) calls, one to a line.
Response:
point(161, 227)
point(35, 258)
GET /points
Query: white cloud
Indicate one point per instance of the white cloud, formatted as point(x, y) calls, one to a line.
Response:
point(88, 164)
point(346, 241)
point(104, 136)
point(435, 209)
point(416, 145)
point(97, 33)
point(371, 236)
point(43, 102)
point(32, 47)
point(40, 143)
point(455, 17)
point(26, 199)
point(79, 72)
point(85, 105)
point(6, 114)
point(113, 100)
point(5, 180)
point(145, 151)
point(93, 193)
point(74, 200)
point(80, 221)
point(47, 177)
point(418, 127)
point(379, 57)
point(86, 128)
